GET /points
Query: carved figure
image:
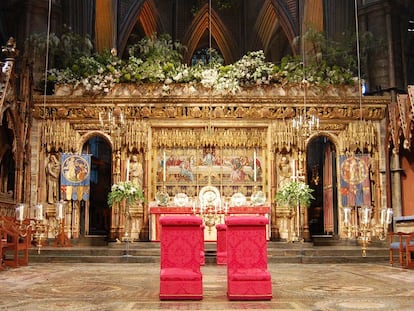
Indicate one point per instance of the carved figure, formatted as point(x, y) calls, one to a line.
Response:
point(136, 172)
point(52, 179)
point(285, 170)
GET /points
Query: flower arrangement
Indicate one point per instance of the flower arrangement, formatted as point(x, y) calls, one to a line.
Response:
point(294, 193)
point(158, 60)
point(125, 190)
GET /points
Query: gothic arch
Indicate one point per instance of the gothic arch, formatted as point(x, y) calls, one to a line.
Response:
point(322, 174)
point(288, 13)
point(144, 12)
point(225, 43)
point(333, 138)
point(269, 34)
point(84, 139)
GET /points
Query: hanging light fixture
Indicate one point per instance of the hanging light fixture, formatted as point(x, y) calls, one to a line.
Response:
point(304, 124)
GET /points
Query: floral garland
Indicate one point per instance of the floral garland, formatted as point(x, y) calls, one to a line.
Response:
point(293, 193)
point(125, 190)
point(157, 60)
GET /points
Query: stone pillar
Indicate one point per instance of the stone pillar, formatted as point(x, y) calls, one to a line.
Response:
point(274, 229)
point(396, 184)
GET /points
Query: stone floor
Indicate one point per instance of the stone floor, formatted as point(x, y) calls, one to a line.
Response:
point(134, 286)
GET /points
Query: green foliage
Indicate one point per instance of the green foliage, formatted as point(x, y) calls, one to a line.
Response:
point(125, 191)
point(336, 60)
point(294, 193)
point(64, 50)
point(159, 60)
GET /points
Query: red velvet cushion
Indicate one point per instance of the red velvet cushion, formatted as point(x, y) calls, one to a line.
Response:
point(180, 220)
point(250, 275)
point(221, 227)
point(177, 274)
point(246, 221)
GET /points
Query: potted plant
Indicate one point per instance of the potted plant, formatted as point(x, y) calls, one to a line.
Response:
point(294, 193)
point(125, 190)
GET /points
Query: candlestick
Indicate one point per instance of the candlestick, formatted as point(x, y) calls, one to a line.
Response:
point(20, 212)
point(347, 214)
point(164, 169)
point(254, 166)
point(39, 212)
point(389, 215)
point(127, 170)
point(59, 212)
point(365, 215)
point(383, 212)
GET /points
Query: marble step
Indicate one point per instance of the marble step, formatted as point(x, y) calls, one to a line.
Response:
point(141, 252)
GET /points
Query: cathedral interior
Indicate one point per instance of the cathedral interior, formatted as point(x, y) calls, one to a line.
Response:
point(210, 108)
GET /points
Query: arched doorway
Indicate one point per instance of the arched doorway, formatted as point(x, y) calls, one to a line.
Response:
point(7, 161)
point(321, 176)
point(95, 218)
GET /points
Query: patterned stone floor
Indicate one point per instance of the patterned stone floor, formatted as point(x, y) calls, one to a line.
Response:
point(316, 287)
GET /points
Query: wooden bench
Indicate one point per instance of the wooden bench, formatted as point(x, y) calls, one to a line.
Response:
point(397, 244)
point(3, 245)
point(409, 250)
point(14, 246)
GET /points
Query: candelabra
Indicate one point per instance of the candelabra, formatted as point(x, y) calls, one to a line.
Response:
point(113, 122)
point(211, 213)
point(304, 124)
point(357, 223)
point(31, 226)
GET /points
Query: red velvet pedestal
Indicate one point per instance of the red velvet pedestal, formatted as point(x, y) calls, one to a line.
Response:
point(247, 274)
point(180, 275)
point(221, 250)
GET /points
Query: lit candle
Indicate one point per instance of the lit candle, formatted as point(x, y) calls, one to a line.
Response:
point(254, 166)
point(59, 212)
point(39, 211)
point(389, 215)
point(365, 215)
point(20, 212)
point(383, 212)
point(127, 170)
point(346, 215)
point(164, 164)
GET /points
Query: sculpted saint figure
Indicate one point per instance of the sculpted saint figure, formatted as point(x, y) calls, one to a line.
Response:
point(136, 172)
point(52, 179)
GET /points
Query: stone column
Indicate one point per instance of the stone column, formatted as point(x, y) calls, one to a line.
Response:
point(396, 184)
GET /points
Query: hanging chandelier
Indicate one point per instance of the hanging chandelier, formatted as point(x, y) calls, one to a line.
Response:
point(304, 124)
